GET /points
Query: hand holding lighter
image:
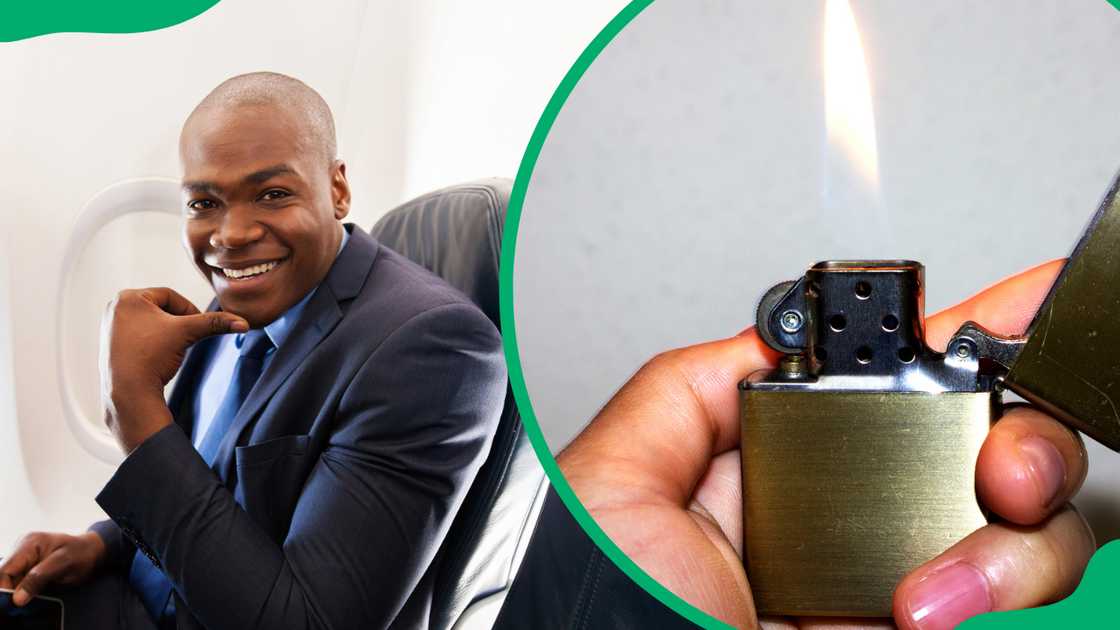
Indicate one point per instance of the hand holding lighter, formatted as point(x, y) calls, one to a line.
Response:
point(859, 451)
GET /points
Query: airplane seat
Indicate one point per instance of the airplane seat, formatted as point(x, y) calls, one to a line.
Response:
point(456, 233)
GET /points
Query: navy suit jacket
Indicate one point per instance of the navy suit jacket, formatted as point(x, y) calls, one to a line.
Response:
point(336, 485)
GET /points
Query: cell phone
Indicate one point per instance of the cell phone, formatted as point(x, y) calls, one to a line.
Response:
point(41, 613)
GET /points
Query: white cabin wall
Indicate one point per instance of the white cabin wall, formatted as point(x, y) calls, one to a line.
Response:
point(445, 91)
point(483, 78)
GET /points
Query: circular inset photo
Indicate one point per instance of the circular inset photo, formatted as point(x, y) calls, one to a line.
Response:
point(794, 317)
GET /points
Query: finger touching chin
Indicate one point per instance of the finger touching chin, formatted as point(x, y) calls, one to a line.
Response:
point(997, 567)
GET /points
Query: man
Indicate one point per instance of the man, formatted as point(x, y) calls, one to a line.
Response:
point(327, 420)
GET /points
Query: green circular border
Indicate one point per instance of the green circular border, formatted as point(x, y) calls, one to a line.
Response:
point(521, 394)
point(509, 330)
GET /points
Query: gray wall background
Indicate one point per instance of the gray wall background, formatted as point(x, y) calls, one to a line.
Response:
point(684, 176)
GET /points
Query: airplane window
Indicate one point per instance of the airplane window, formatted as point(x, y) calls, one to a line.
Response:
point(132, 241)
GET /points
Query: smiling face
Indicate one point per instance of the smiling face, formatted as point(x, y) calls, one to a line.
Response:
point(263, 204)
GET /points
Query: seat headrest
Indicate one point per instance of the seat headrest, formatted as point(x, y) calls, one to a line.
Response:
point(456, 233)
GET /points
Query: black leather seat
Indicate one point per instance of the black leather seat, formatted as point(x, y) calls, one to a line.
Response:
point(456, 233)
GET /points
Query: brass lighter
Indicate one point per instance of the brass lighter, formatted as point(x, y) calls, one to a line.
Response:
point(859, 451)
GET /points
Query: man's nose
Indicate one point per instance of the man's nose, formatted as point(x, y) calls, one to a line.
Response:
point(237, 229)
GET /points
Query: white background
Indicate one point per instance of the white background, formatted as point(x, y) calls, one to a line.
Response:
point(425, 94)
point(684, 176)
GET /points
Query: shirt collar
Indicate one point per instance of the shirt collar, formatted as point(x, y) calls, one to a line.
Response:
point(282, 326)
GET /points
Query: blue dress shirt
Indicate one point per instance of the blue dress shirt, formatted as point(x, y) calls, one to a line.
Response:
point(218, 373)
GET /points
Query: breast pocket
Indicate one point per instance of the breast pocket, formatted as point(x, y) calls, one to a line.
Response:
point(270, 475)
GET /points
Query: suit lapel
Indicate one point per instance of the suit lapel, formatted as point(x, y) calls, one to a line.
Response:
point(343, 282)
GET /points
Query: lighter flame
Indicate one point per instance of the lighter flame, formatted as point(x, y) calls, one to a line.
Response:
point(849, 117)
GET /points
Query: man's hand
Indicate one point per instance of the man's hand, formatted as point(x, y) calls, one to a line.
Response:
point(659, 470)
point(40, 560)
point(145, 334)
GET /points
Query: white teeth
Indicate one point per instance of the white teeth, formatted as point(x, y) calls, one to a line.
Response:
point(250, 271)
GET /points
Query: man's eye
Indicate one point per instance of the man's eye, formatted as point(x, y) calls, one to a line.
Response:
point(202, 204)
point(274, 194)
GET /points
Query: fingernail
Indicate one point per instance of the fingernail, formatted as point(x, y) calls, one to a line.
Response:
point(948, 596)
point(1046, 466)
point(20, 597)
point(239, 326)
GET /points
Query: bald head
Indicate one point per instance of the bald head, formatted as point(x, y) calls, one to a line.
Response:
point(262, 189)
point(278, 92)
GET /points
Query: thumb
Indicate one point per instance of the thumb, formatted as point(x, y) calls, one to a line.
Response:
point(204, 325)
point(669, 420)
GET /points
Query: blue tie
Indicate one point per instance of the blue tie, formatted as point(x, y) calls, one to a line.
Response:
point(149, 582)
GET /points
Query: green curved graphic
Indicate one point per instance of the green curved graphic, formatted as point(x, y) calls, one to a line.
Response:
point(20, 19)
point(509, 334)
point(1093, 603)
point(1104, 567)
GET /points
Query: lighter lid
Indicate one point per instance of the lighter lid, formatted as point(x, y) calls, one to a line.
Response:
point(1070, 363)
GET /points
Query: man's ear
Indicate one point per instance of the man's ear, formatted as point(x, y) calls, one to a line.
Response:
point(340, 190)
